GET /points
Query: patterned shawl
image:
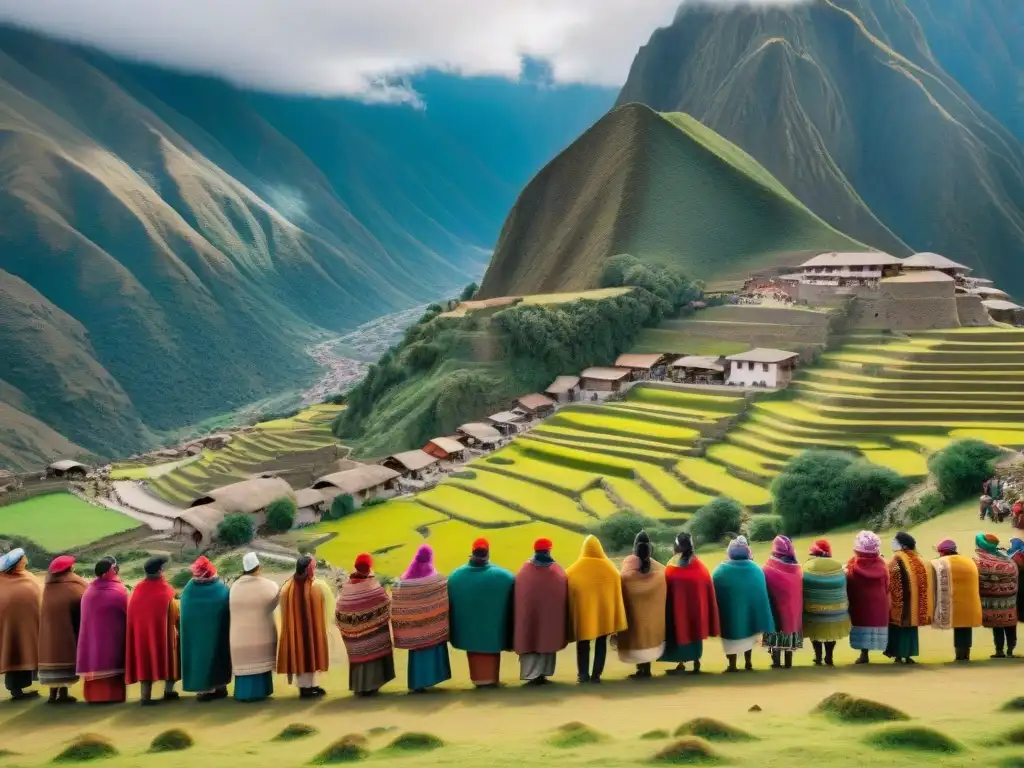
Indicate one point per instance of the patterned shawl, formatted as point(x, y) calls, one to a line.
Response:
point(998, 577)
point(910, 590)
point(363, 615)
point(419, 612)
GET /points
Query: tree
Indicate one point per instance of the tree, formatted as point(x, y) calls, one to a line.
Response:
point(962, 466)
point(281, 515)
point(715, 519)
point(236, 530)
point(868, 488)
point(341, 506)
point(468, 292)
point(808, 493)
point(617, 531)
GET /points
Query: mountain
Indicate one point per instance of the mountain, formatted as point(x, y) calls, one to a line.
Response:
point(661, 187)
point(896, 121)
point(169, 244)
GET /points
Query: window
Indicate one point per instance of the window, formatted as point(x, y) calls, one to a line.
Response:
point(764, 366)
point(750, 366)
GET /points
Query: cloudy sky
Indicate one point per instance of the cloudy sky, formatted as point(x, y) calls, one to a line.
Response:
point(359, 48)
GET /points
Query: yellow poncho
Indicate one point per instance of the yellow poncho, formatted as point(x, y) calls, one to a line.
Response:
point(596, 608)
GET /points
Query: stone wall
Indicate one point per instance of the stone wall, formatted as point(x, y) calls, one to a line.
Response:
point(971, 311)
point(906, 307)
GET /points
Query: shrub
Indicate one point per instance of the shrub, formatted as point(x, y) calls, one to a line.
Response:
point(914, 738)
point(86, 747)
point(295, 731)
point(962, 466)
point(173, 740)
point(1014, 737)
point(501, 461)
point(341, 506)
point(765, 527)
point(416, 742)
point(1014, 705)
point(574, 734)
point(712, 730)
point(850, 709)
point(468, 292)
point(690, 751)
point(236, 530)
point(347, 749)
point(180, 579)
point(617, 531)
point(373, 501)
point(654, 735)
point(715, 519)
point(464, 474)
point(931, 504)
point(281, 515)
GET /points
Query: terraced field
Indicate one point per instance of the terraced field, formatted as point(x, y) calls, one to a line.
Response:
point(301, 442)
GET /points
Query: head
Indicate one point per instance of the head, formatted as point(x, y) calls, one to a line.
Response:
point(202, 568)
point(739, 549)
point(250, 564)
point(683, 545)
point(1016, 545)
point(821, 548)
point(363, 566)
point(107, 568)
point(305, 567)
point(481, 551)
point(13, 560)
point(867, 543)
point(987, 542)
point(61, 565)
point(643, 550)
point(903, 542)
point(782, 548)
point(422, 564)
point(946, 547)
point(543, 546)
point(154, 567)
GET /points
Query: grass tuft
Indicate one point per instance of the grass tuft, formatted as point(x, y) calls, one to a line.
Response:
point(416, 742)
point(574, 734)
point(1014, 705)
point(655, 735)
point(688, 751)
point(295, 731)
point(173, 740)
point(845, 708)
point(1013, 761)
point(347, 749)
point(5, 753)
point(377, 730)
point(1014, 737)
point(712, 730)
point(86, 747)
point(914, 738)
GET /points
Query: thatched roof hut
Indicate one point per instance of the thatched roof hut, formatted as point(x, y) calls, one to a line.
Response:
point(248, 496)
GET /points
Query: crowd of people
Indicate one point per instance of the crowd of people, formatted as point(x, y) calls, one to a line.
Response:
point(69, 629)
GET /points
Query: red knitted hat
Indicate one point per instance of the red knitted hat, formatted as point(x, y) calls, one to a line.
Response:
point(481, 544)
point(364, 563)
point(821, 548)
point(542, 545)
point(61, 563)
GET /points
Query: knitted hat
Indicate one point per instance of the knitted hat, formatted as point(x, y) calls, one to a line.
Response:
point(867, 543)
point(250, 562)
point(202, 568)
point(154, 565)
point(783, 547)
point(481, 545)
point(821, 548)
point(906, 541)
point(1016, 545)
point(364, 563)
point(739, 549)
point(11, 559)
point(425, 554)
point(543, 545)
point(987, 541)
point(684, 544)
point(61, 564)
point(947, 547)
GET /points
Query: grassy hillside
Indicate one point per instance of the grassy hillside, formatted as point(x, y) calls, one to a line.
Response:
point(171, 244)
point(660, 187)
point(847, 103)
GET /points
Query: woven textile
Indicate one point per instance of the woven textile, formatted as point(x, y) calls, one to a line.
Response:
point(957, 598)
point(910, 589)
point(644, 596)
point(363, 615)
point(997, 579)
point(419, 612)
point(826, 609)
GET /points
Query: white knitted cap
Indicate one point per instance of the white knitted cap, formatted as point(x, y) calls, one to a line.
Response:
point(250, 562)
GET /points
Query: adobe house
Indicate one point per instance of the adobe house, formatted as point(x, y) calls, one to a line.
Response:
point(598, 379)
point(642, 366)
point(699, 369)
point(762, 367)
point(249, 497)
point(410, 463)
point(477, 433)
point(445, 448)
point(366, 481)
point(1003, 311)
point(67, 469)
point(564, 389)
point(310, 505)
point(536, 406)
point(507, 422)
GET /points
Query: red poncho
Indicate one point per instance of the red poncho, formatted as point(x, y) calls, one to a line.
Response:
point(785, 583)
point(152, 636)
point(692, 607)
point(867, 586)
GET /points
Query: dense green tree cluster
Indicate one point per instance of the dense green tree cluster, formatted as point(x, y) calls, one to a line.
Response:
point(715, 520)
point(281, 515)
point(961, 467)
point(236, 530)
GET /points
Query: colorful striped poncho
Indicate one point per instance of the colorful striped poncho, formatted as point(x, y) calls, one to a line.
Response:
point(997, 576)
point(419, 612)
point(363, 614)
point(826, 604)
point(911, 590)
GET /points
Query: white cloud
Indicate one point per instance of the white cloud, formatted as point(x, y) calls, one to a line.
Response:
point(359, 47)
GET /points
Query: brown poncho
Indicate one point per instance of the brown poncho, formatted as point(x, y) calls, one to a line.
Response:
point(644, 595)
point(302, 646)
point(20, 598)
point(541, 597)
point(59, 621)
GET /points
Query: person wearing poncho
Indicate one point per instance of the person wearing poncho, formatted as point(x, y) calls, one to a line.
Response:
point(691, 610)
point(20, 597)
point(826, 610)
point(101, 637)
point(957, 599)
point(541, 599)
point(743, 607)
point(419, 620)
point(480, 602)
point(1016, 553)
point(302, 649)
point(785, 583)
point(867, 587)
point(644, 592)
point(59, 621)
point(154, 623)
point(363, 616)
point(998, 582)
point(205, 633)
point(596, 607)
point(253, 632)
point(911, 599)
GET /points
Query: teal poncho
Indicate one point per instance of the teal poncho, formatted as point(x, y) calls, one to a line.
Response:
point(743, 607)
point(480, 608)
point(205, 639)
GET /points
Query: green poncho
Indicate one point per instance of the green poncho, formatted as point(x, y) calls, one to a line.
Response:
point(480, 608)
point(743, 607)
point(205, 638)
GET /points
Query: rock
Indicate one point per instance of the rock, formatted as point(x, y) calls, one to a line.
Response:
point(754, 708)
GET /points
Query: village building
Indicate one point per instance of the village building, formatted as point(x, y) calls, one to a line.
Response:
point(643, 366)
point(478, 434)
point(1003, 311)
point(410, 464)
point(365, 481)
point(699, 369)
point(535, 406)
point(310, 505)
point(934, 262)
point(445, 448)
point(599, 379)
point(199, 522)
point(507, 422)
point(848, 269)
point(67, 469)
point(990, 292)
point(564, 389)
point(762, 367)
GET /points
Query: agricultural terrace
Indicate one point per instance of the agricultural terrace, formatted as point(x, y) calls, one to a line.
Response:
point(282, 444)
point(501, 302)
point(58, 522)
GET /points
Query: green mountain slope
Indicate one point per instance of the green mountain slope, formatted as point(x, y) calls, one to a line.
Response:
point(846, 104)
point(169, 245)
point(661, 187)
